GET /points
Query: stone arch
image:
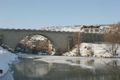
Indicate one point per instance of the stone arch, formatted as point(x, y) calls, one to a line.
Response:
point(48, 38)
point(41, 35)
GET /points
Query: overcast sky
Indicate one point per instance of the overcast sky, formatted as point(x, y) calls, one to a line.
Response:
point(40, 13)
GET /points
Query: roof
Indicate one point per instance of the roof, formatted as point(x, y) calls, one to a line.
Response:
point(91, 26)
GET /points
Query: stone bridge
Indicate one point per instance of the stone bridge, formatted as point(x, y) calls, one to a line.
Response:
point(60, 40)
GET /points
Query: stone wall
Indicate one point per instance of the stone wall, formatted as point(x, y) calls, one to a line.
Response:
point(92, 37)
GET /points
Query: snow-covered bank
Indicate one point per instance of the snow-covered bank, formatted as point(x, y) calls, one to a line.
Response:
point(86, 50)
point(94, 50)
point(6, 58)
point(7, 76)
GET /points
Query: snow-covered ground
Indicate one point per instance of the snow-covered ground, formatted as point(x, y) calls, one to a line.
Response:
point(38, 37)
point(87, 50)
point(93, 50)
point(6, 58)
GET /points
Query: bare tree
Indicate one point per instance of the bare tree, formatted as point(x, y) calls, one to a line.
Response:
point(113, 38)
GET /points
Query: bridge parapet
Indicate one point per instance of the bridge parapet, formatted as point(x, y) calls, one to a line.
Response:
point(7, 29)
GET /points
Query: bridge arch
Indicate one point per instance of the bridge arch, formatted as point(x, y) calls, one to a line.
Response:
point(60, 41)
point(34, 41)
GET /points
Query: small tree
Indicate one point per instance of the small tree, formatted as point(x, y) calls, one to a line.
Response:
point(113, 38)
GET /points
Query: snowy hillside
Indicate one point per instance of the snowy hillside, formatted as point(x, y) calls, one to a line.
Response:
point(72, 28)
point(75, 28)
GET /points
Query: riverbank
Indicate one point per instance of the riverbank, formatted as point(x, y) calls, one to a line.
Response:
point(6, 58)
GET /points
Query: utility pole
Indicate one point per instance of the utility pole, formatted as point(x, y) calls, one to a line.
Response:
point(49, 47)
point(78, 44)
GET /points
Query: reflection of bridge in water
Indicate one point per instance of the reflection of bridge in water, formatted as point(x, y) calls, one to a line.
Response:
point(39, 70)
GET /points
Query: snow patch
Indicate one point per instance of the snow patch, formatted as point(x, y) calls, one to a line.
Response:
point(6, 58)
point(38, 37)
point(93, 50)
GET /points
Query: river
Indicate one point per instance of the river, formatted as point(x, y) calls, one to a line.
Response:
point(83, 69)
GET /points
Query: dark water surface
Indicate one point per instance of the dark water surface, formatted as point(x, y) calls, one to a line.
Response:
point(28, 69)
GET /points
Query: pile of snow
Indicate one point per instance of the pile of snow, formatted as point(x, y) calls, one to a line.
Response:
point(86, 50)
point(92, 49)
point(6, 58)
point(71, 53)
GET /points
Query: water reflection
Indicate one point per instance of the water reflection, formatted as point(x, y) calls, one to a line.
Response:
point(102, 69)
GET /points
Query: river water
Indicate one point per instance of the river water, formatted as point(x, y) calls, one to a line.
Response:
point(86, 69)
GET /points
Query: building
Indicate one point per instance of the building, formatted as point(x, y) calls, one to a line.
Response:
point(90, 29)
